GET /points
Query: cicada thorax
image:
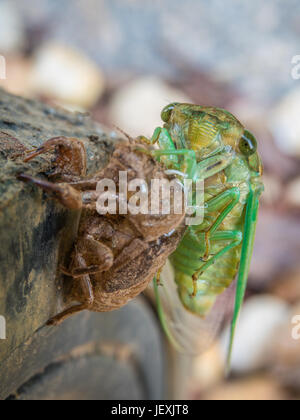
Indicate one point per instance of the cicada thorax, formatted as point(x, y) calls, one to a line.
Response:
point(201, 131)
point(205, 130)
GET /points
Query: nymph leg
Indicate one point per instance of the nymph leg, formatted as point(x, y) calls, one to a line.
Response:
point(64, 193)
point(70, 158)
point(87, 295)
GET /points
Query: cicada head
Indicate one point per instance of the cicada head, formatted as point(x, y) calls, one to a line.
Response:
point(206, 130)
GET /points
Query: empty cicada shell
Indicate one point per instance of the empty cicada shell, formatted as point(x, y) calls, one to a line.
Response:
point(115, 256)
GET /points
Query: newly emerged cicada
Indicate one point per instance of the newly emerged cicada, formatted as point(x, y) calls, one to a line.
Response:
point(219, 151)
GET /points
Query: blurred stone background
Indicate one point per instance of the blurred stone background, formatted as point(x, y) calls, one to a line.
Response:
point(122, 61)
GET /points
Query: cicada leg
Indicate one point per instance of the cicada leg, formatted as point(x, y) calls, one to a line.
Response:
point(189, 165)
point(227, 199)
point(215, 164)
point(168, 150)
point(164, 139)
point(162, 317)
point(158, 276)
point(233, 237)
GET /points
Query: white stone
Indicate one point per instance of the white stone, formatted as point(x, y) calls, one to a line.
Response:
point(136, 107)
point(66, 75)
point(284, 122)
point(260, 318)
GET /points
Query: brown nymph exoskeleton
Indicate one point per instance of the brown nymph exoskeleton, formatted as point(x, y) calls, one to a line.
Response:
point(115, 256)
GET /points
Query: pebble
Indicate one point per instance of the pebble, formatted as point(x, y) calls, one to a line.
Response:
point(66, 75)
point(285, 354)
point(260, 318)
point(284, 123)
point(136, 107)
point(286, 343)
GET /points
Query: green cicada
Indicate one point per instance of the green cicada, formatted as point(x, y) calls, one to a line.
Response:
point(209, 144)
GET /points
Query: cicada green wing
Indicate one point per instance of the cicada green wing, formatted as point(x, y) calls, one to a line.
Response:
point(246, 255)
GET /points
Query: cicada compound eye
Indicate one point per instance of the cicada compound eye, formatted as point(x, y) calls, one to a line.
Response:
point(248, 144)
point(167, 111)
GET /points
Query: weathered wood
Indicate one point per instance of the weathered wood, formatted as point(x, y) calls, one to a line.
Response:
point(118, 354)
point(36, 234)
